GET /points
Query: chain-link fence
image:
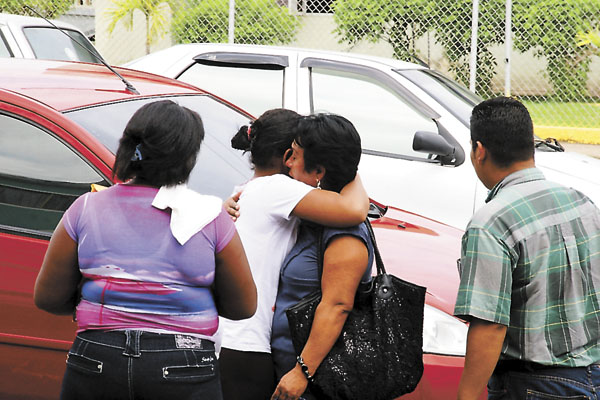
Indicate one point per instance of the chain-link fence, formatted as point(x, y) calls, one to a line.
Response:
point(553, 62)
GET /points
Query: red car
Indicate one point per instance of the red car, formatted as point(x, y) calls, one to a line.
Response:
point(60, 123)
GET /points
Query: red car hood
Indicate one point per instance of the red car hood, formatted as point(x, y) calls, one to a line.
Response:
point(422, 251)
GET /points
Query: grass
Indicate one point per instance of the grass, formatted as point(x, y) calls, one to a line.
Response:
point(571, 122)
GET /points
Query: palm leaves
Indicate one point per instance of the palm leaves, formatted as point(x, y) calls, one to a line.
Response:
point(589, 38)
point(156, 13)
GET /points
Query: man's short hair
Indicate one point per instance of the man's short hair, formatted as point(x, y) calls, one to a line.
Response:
point(504, 127)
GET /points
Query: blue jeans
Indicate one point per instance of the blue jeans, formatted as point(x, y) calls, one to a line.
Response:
point(546, 384)
point(140, 365)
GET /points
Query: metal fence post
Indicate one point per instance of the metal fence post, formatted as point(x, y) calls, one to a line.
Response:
point(508, 44)
point(231, 28)
point(473, 60)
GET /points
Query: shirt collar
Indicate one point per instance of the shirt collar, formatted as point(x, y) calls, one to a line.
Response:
point(516, 178)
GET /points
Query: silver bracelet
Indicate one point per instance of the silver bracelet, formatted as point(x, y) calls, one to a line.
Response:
point(304, 369)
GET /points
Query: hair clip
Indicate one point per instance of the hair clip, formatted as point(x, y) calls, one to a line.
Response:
point(249, 129)
point(137, 155)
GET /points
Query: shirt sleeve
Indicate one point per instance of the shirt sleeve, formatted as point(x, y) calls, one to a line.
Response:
point(70, 219)
point(485, 278)
point(282, 194)
point(225, 230)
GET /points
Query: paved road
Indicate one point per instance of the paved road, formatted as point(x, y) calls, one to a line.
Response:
point(589, 149)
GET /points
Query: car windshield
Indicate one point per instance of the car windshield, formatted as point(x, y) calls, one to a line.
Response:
point(219, 167)
point(52, 44)
point(454, 97)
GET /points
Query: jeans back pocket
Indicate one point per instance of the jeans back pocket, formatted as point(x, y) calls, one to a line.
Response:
point(84, 364)
point(189, 373)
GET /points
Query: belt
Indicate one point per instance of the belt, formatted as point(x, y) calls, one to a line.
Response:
point(146, 341)
point(528, 366)
point(522, 366)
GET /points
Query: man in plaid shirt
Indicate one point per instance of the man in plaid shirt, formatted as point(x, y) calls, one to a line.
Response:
point(529, 271)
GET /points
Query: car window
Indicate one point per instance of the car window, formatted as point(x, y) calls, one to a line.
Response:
point(255, 90)
point(384, 120)
point(454, 97)
point(4, 50)
point(219, 167)
point(39, 176)
point(52, 44)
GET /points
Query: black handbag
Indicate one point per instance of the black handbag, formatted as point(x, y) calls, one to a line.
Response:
point(379, 353)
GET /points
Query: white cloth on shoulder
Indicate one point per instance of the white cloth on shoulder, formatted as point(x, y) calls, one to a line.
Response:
point(190, 210)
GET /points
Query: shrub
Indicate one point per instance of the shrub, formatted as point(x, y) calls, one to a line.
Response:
point(256, 21)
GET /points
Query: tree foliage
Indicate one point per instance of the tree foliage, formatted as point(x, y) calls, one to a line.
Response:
point(453, 32)
point(256, 21)
point(590, 38)
point(548, 27)
point(402, 23)
point(47, 8)
point(155, 12)
point(398, 23)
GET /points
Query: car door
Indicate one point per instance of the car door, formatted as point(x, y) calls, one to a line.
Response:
point(41, 173)
point(387, 114)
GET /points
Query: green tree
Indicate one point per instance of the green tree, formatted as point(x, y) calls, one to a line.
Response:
point(156, 13)
point(256, 21)
point(398, 23)
point(453, 31)
point(591, 38)
point(548, 27)
point(47, 8)
point(401, 23)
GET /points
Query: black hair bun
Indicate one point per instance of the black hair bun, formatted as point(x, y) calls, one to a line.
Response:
point(241, 141)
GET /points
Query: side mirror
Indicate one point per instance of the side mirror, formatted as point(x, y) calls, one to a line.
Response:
point(433, 143)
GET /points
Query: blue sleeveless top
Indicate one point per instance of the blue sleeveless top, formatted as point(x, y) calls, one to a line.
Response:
point(298, 278)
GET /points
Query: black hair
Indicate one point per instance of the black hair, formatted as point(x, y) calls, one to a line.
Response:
point(268, 137)
point(503, 125)
point(159, 144)
point(330, 141)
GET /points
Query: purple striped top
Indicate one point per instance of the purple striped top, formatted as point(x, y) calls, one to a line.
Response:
point(136, 275)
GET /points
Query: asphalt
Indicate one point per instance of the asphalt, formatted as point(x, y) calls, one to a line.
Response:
point(588, 149)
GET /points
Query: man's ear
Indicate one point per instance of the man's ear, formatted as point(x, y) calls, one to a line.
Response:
point(480, 152)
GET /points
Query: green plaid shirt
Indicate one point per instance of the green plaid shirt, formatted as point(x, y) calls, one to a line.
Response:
point(530, 260)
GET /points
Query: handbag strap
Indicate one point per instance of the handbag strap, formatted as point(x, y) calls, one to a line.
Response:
point(320, 254)
point(378, 259)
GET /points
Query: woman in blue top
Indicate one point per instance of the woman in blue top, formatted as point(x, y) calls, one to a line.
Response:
point(325, 154)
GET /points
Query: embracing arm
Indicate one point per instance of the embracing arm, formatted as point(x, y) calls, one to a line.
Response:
point(234, 289)
point(57, 283)
point(344, 209)
point(344, 264)
point(232, 207)
point(484, 344)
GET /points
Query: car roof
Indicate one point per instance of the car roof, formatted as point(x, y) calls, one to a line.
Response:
point(24, 20)
point(177, 52)
point(65, 85)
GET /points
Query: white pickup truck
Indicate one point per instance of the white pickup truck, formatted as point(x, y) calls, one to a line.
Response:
point(30, 37)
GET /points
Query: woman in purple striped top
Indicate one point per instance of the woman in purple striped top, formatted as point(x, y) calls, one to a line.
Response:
point(153, 271)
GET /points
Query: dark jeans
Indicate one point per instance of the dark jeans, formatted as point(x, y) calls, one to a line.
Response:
point(140, 365)
point(545, 383)
point(246, 375)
